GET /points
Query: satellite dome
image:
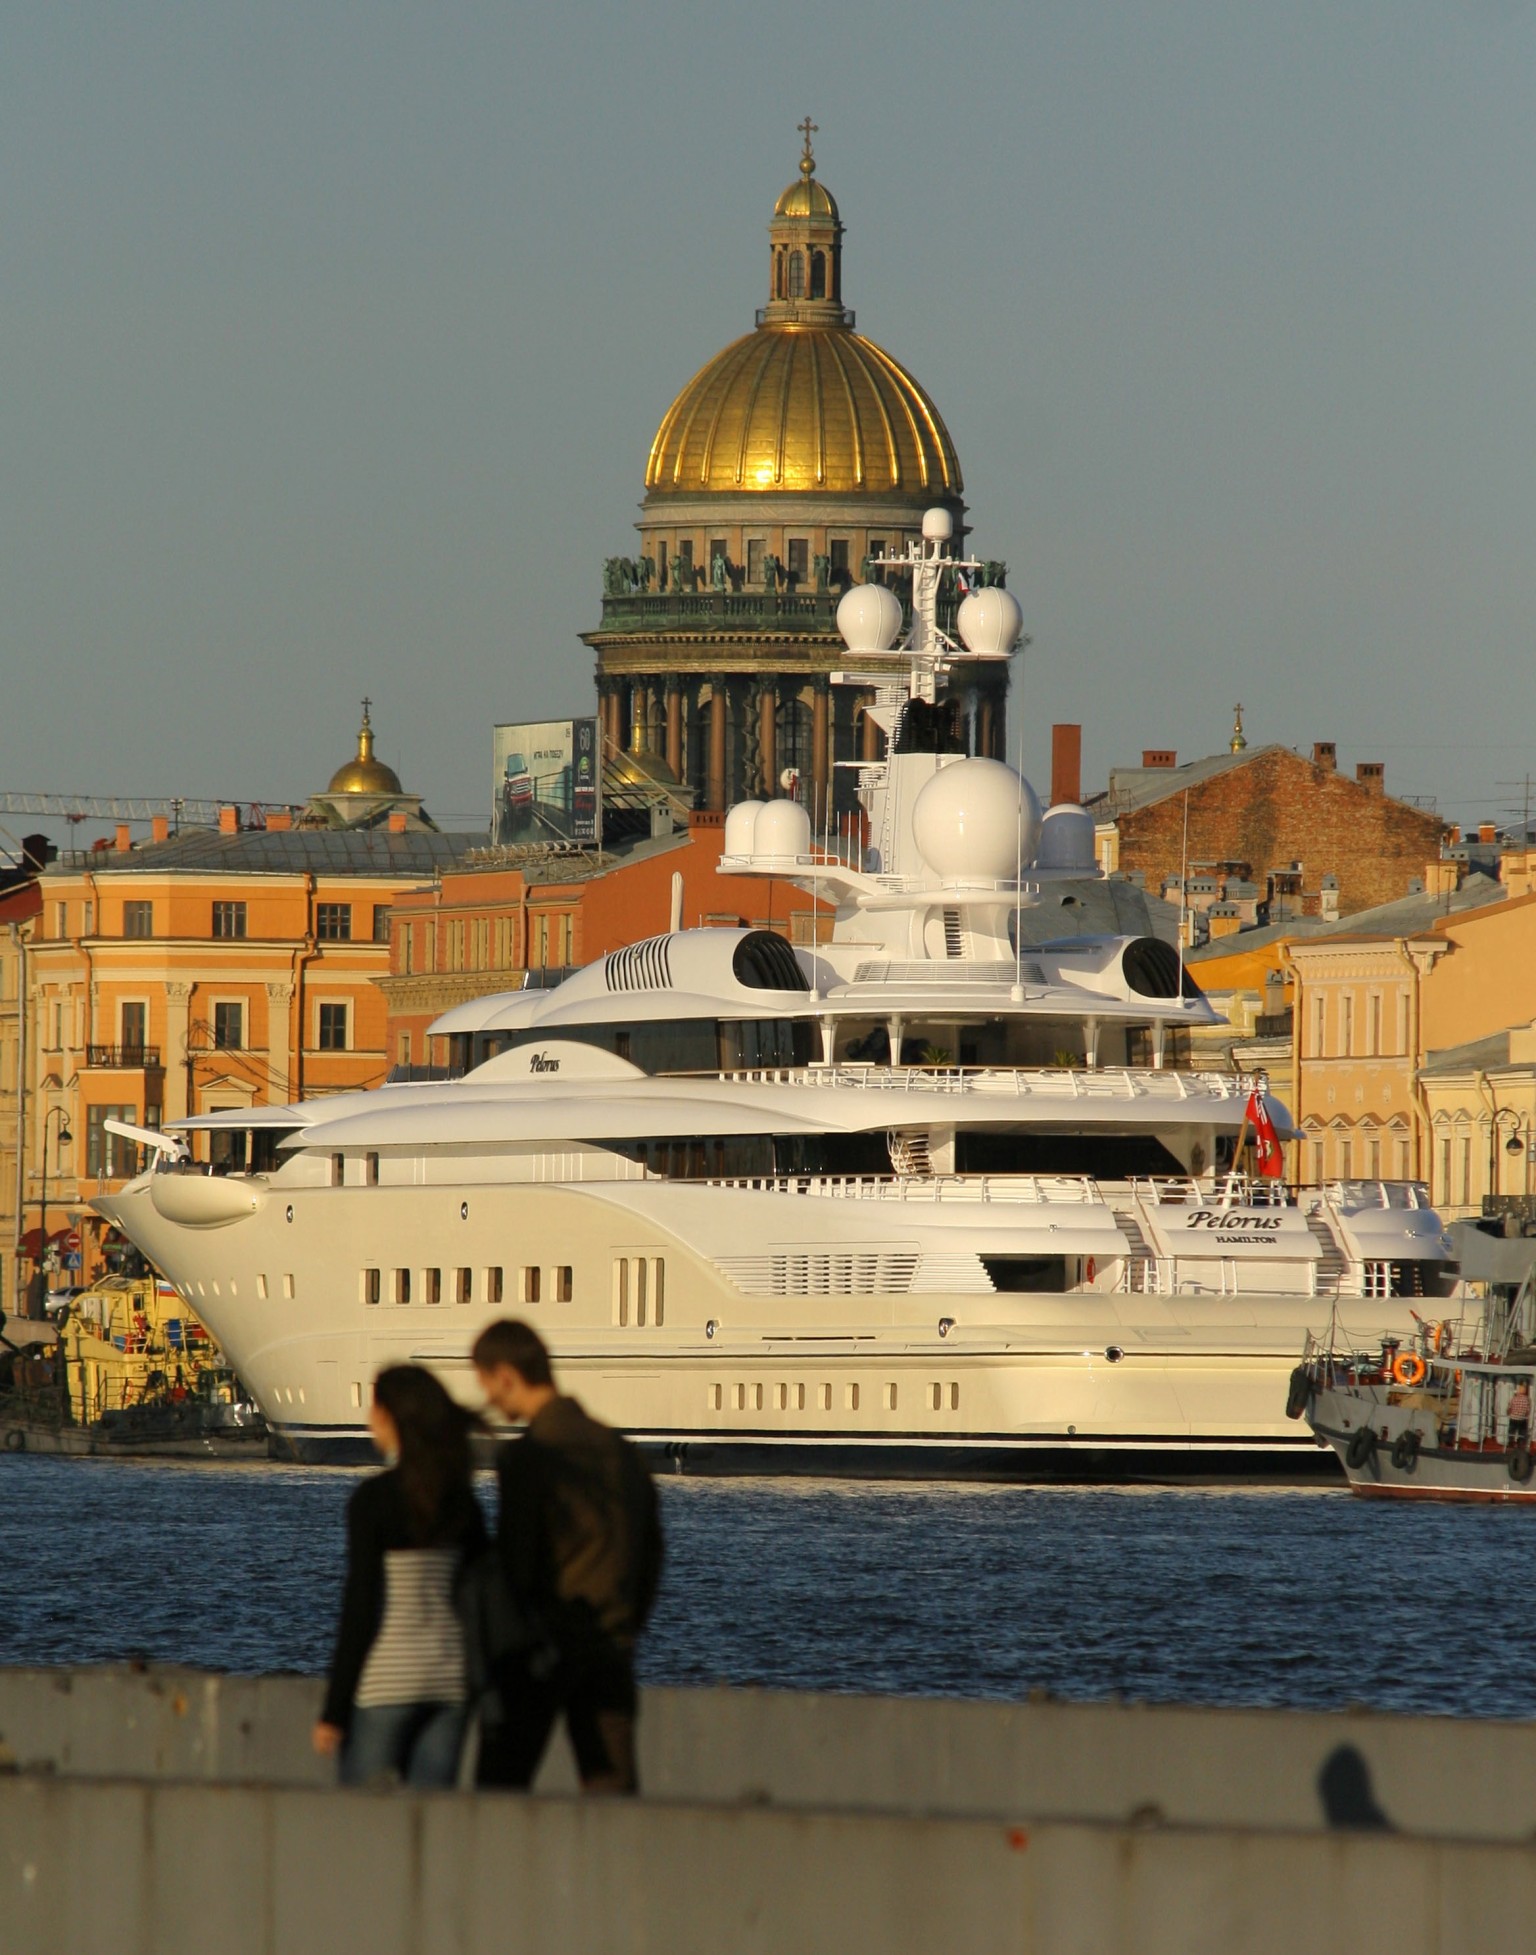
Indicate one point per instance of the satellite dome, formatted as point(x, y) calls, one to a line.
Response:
point(976, 821)
point(740, 823)
point(990, 622)
point(938, 525)
point(869, 617)
point(781, 829)
point(1066, 839)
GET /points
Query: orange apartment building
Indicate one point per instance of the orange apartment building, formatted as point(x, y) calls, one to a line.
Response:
point(205, 970)
point(485, 926)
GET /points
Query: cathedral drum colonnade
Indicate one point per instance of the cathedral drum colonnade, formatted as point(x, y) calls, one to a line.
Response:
point(787, 469)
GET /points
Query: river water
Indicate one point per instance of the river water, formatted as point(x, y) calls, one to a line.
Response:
point(1305, 1598)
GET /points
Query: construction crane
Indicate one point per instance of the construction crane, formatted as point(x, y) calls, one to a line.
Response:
point(109, 807)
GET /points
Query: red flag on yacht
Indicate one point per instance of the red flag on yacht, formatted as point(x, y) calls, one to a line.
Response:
point(1266, 1143)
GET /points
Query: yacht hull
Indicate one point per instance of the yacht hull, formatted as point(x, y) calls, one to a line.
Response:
point(918, 1382)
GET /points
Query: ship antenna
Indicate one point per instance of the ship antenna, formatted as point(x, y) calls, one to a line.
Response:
point(1017, 994)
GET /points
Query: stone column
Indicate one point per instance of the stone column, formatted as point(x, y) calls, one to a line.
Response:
point(870, 744)
point(716, 791)
point(675, 729)
point(639, 719)
point(821, 755)
point(283, 1038)
point(767, 738)
point(178, 1070)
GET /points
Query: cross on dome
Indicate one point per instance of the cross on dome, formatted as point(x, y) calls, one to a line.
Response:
point(807, 159)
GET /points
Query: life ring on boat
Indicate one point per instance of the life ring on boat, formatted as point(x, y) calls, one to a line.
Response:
point(16, 1440)
point(1520, 1465)
point(1361, 1448)
point(1300, 1394)
point(1409, 1369)
point(1405, 1450)
point(1438, 1337)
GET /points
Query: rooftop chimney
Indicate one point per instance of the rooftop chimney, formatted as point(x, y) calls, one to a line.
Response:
point(279, 820)
point(397, 821)
point(1159, 757)
point(1487, 832)
point(1326, 755)
point(1372, 776)
point(229, 821)
point(1066, 763)
point(124, 840)
point(159, 828)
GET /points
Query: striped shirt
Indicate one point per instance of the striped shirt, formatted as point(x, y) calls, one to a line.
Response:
point(418, 1655)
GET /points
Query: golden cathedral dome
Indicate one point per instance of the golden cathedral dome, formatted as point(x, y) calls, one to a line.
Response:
point(809, 408)
point(804, 404)
point(363, 774)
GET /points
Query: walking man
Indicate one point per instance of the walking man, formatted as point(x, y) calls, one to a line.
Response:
point(1519, 1414)
point(580, 1537)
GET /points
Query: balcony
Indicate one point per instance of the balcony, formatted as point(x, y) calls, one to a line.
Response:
point(725, 613)
point(123, 1058)
point(1273, 1024)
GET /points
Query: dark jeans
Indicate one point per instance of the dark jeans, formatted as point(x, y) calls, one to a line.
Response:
point(593, 1683)
point(419, 1743)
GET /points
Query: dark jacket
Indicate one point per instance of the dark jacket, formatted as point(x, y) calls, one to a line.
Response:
point(580, 1528)
point(377, 1523)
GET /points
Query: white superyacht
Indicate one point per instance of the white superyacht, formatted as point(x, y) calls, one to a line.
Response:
point(939, 1196)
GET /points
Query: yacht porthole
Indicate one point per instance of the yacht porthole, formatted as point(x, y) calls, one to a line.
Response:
point(946, 1325)
point(289, 1215)
point(1114, 1353)
point(710, 1328)
point(463, 1211)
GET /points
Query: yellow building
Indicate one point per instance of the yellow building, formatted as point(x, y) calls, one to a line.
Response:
point(211, 969)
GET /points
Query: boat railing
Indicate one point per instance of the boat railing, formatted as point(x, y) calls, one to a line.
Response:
point(1077, 1189)
point(1055, 1082)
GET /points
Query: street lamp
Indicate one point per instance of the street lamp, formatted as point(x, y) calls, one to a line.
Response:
point(65, 1136)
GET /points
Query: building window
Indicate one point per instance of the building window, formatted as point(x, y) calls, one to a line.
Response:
point(403, 1049)
point(138, 919)
point(333, 1027)
point(229, 1020)
point(1347, 1026)
point(838, 551)
point(108, 1156)
point(818, 274)
point(1373, 1026)
point(407, 949)
point(797, 274)
point(799, 558)
point(1466, 1171)
point(1317, 1163)
point(133, 1020)
point(755, 547)
point(380, 923)
point(1346, 1160)
point(229, 919)
point(1443, 1192)
point(333, 923)
point(1319, 1024)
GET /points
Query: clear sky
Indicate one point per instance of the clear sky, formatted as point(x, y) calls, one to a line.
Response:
point(333, 337)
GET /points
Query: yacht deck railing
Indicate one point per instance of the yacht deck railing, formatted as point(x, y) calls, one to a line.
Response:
point(1056, 1082)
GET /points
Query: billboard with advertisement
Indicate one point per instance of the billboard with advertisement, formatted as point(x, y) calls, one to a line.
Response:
point(548, 782)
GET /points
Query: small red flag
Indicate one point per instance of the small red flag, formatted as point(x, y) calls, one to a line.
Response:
point(1266, 1143)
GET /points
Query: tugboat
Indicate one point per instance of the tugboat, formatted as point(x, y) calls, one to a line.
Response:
point(1446, 1416)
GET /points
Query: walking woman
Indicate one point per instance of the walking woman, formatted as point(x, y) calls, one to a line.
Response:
point(396, 1703)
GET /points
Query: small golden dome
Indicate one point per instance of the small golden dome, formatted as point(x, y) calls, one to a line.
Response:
point(804, 408)
point(363, 774)
point(805, 197)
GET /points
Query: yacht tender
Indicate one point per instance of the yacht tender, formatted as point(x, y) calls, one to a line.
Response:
point(937, 1196)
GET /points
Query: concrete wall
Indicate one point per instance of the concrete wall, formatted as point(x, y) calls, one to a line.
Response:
point(102, 1867)
point(1455, 1778)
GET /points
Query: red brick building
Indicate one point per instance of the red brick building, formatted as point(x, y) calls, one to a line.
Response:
point(486, 926)
point(1297, 828)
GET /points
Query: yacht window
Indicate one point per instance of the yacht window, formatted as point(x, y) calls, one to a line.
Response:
point(432, 1286)
point(658, 1291)
point(853, 1398)
point(1104, 1157)
point(493, 1284)
point(1038, 1273)
point(562, 1283)
point(338, 1170)
point(462, 1287)
point(402, 1286)
point(640, 1289)
point(621, 1290)
point(531, 1284)
point(372, 1285)
point(371, 1170)
point(1154, 969)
